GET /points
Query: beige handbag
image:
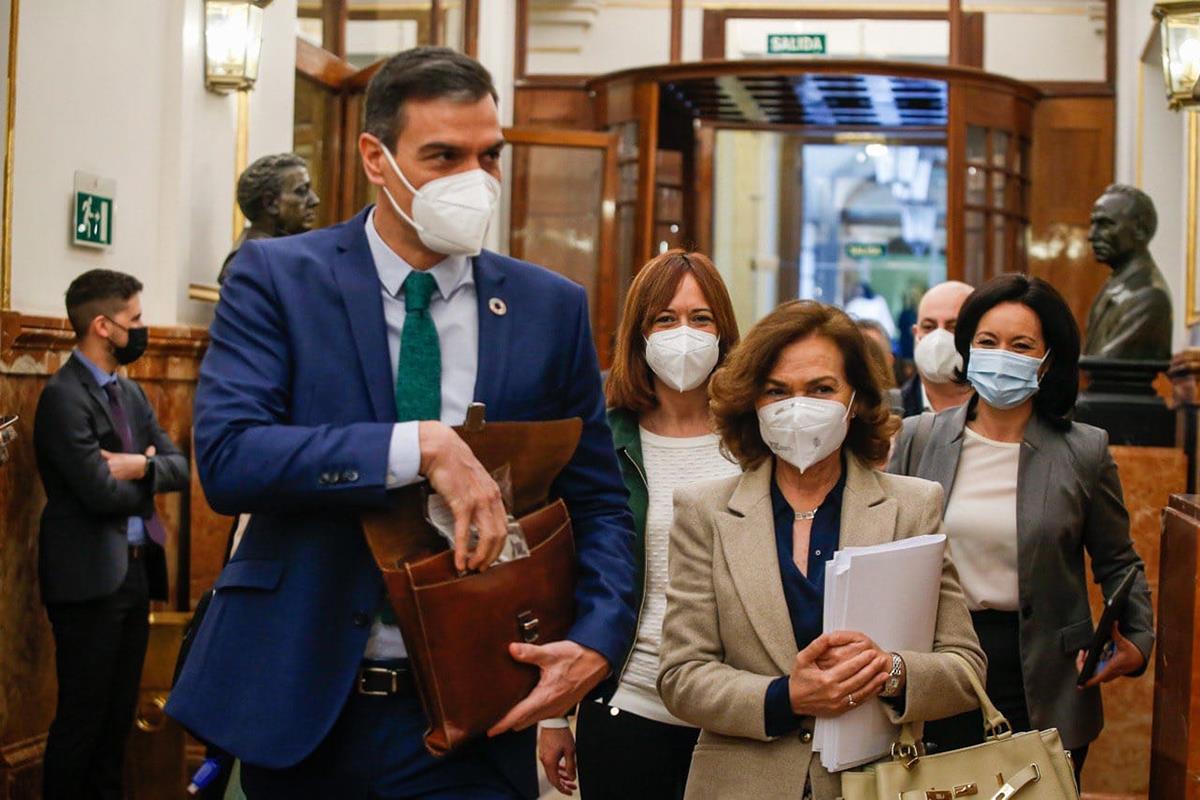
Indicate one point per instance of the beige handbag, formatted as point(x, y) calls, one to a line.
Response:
point(1025, 766)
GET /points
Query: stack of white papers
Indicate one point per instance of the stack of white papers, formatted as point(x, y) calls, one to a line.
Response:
point(888, 592)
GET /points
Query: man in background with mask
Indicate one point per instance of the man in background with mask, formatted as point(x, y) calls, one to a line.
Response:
point(933, 387)
point(339, 361)
point(102, 457)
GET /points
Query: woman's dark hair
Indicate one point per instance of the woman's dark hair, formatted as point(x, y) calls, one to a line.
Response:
point(1055, 399)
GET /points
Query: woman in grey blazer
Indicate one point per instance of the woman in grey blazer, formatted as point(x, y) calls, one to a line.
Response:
point(1027, 492)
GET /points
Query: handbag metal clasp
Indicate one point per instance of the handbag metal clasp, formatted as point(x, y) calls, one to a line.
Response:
point(527, 624)
point(907, 754)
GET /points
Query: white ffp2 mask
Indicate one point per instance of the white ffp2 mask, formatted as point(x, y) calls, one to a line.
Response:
point(682, 357)
point(804, 430)
point(936, 357)
point(450, 214)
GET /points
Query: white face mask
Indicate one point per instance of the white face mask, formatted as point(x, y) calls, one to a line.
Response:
point(682, 357)
point(450, 214)
point(804, 430)
point(936, 358)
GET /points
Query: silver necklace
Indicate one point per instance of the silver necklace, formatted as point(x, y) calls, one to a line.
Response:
point(806, 515)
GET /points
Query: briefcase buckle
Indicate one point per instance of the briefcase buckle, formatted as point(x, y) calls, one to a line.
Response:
point(527, 624)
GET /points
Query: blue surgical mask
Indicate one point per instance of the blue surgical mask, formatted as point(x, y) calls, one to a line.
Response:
point(1003, 379)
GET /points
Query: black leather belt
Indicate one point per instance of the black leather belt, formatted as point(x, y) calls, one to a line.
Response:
point(384, 680)
point(136, 552)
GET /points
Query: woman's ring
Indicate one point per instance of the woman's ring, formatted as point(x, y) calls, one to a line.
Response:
point(850, 701)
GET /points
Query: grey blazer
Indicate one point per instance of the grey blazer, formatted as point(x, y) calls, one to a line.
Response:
point(1068, 501)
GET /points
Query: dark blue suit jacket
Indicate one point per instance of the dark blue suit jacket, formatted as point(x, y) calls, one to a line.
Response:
point(293, 419)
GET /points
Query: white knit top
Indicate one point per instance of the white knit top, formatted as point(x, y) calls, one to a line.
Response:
point(670, 463)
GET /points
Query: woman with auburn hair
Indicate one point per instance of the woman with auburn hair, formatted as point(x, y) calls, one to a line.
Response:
point(743, 655)
point(678, 324)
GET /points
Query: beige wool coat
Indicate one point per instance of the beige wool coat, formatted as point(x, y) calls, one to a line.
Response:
point(727, 633)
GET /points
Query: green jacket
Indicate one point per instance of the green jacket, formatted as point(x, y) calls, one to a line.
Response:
point(628, 443)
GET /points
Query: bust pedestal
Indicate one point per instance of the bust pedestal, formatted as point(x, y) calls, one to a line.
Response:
point(1120, 398)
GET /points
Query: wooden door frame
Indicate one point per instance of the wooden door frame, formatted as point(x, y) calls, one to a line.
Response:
point(334, 14)
point(604, 312)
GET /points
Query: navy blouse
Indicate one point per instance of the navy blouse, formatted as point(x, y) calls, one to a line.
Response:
point(805, 596)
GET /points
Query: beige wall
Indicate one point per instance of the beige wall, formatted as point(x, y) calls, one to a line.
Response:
point(121, 94)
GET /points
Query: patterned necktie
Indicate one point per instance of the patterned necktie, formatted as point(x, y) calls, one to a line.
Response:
point(419, 372)
point(154, 526)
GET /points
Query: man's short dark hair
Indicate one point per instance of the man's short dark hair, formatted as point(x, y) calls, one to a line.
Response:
point(1140, 206)
point(422, 73)
point(261, 181)
point(98, 292)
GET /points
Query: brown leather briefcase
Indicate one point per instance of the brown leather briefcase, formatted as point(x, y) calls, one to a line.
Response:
point(457, 628)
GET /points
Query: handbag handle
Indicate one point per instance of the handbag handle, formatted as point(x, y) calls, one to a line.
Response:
point(995, 725)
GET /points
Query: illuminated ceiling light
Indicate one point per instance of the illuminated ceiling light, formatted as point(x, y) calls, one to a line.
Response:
point(232, 43)
point(1179, 30)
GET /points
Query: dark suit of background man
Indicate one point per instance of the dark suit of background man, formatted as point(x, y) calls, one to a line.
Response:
point(102, 457)
point(339, 359)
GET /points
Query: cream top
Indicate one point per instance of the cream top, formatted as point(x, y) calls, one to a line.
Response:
point(981, 522)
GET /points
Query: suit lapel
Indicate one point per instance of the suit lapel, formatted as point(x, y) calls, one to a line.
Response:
point(494, 331)
point(1033, 476)
point(748, 541)
point(868, 515)
point(939, 462)
point(93, 389)
point(356, 276)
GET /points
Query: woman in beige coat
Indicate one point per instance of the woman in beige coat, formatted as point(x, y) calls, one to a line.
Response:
point(743, 655)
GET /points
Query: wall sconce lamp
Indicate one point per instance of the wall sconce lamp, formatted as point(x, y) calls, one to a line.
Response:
point(232, 43)
point(1179, 30)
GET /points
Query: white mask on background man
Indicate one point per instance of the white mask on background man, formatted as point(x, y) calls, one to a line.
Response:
point(682, 357)
point(937, 359)
point(804, 430)
point(450, 214)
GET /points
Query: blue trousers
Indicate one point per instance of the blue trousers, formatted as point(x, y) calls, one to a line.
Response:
point(375, 752)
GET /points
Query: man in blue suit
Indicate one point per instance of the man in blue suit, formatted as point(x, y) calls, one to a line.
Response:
point(339, 359)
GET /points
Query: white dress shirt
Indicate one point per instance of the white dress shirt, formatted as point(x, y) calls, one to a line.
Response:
point(455, 314)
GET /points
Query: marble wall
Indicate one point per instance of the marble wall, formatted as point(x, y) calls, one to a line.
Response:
point(32, 349)
point(1119, 761)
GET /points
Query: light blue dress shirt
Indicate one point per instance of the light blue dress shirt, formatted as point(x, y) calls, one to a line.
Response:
point(137, 527)
point(455, 312)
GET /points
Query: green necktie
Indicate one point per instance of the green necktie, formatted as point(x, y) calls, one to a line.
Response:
point(419, 373)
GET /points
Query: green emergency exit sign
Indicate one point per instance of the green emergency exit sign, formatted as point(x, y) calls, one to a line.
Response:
point(805, 44)
point(92, 223)
point(866, 250)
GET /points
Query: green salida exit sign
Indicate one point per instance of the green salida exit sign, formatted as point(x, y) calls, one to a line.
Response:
point(92, 222)
point(866, 250)
point(805, 44)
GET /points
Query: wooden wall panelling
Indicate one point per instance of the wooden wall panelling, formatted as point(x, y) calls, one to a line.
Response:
point(1072, 162)
point(31, 349)
point(541, 106)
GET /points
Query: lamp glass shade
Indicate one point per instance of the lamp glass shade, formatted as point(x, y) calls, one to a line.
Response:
point(232, 43)
point(1179, 30)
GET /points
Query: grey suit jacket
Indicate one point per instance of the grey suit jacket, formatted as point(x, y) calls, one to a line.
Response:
point(1068, 501)
point(727, 633)
point(83, 549)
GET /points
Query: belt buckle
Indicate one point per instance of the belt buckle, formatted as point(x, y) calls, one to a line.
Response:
point(362, 680)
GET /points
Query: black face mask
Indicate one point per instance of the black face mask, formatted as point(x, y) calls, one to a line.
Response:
point(134, 347)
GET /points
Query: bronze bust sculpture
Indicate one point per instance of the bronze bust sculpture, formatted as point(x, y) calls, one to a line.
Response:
point(275, 194)
point(1131, 316)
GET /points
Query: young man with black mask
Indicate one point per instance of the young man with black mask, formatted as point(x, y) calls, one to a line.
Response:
point(102, 457)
